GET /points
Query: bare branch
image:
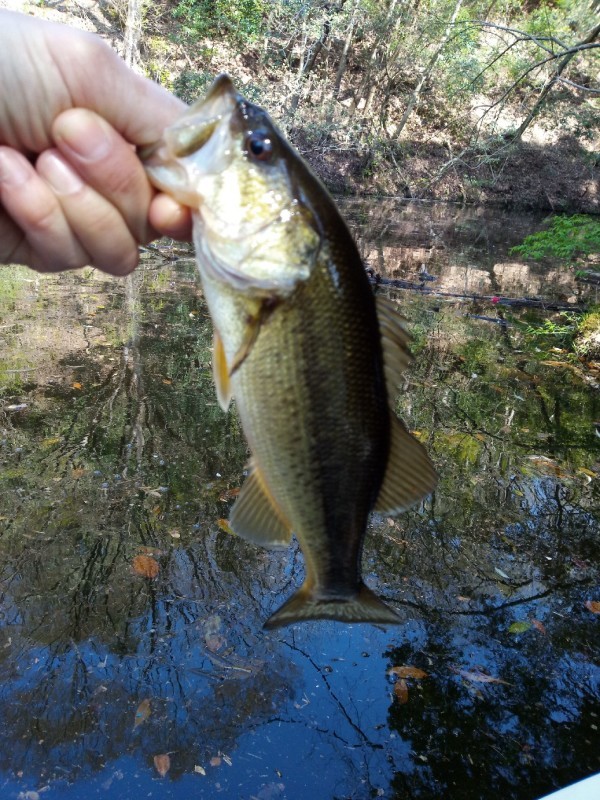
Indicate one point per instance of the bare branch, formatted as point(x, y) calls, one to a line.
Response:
point(578, 86)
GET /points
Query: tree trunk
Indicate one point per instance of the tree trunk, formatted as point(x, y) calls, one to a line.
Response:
point(416, 95)
point(133, 32)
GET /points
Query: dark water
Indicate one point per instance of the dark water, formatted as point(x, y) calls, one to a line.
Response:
point(112, 448)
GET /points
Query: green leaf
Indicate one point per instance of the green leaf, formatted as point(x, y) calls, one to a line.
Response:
point(519, 627)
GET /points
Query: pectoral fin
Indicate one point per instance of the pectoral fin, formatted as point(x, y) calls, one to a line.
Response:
point(410, 475)
point(256, 517)
point(221, 373)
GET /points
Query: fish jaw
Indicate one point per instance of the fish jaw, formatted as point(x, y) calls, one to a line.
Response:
point(196, 146)
point(306, 604)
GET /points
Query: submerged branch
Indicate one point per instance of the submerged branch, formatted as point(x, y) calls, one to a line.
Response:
point(518, 302)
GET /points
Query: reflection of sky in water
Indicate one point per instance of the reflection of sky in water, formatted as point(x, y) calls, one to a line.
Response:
point(122, 452)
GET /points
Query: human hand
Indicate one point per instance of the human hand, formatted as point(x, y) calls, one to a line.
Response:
point(72, 189)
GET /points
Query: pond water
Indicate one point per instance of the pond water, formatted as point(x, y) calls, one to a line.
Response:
point(133, 658)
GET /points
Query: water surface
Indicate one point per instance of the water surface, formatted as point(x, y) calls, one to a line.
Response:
point(131, 619)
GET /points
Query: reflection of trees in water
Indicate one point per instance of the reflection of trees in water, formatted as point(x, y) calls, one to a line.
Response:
point(140, 459)
point(467, 249)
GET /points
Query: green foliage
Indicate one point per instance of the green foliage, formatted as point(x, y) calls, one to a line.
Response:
point(189, 85)
point(563, 329)
point(240, 19)
point(567, 238)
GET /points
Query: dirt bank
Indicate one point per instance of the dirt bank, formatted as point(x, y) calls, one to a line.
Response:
point(556, 177)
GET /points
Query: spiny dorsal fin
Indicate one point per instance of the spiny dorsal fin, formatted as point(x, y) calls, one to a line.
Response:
point(221, 373)
point(409, 476)
point(255, 516)
point(395, 340)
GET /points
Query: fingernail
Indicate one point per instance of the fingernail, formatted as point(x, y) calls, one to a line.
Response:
point(83, 134)
point(13, 172)
point(60, 176)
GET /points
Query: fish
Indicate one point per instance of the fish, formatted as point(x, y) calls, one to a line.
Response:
point(310, 356)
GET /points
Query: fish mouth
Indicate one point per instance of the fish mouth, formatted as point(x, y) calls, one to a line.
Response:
point(197, 144)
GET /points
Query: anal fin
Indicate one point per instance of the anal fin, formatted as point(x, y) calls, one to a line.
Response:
point(255, 516)
point(410, 476)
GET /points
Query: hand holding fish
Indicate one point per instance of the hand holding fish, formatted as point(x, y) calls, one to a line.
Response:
point(72, 190)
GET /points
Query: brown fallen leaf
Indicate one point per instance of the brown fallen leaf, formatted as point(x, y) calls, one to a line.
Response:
point(142, 713)
point(401, 691)
point(146, 566)
point(539, 626)
point(162, 764)
point(229, 494)
point(167, 382)
point(408, 672)
point(593, 606)
point(76, 385)
point(78, 472)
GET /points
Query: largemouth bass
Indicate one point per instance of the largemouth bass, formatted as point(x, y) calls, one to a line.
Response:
point(301, 344)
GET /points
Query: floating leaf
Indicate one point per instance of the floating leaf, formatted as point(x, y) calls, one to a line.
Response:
point(199, 770)
point(142, 713)
point(162, 764)
point(520, 627)
point(229, 494)
point(401, 691)
point(77, 385)
point(478, 677)
point(215, 642)
point(226, 759)
point(224, 526)
point(557, 364)
point(548, 466)
point(146, 566)
point(215, 761)
point(539, 626)
point(587, 472)
point(408, 672)
point(593, 606)
point(51, 441)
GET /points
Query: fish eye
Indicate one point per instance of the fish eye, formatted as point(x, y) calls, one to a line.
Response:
point(259, 145)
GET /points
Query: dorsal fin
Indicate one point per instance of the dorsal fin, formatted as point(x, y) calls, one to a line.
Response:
point(410, 475)
point(395, 341)
point(255, 515)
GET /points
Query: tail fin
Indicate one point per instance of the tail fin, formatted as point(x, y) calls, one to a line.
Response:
point(365, 606)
